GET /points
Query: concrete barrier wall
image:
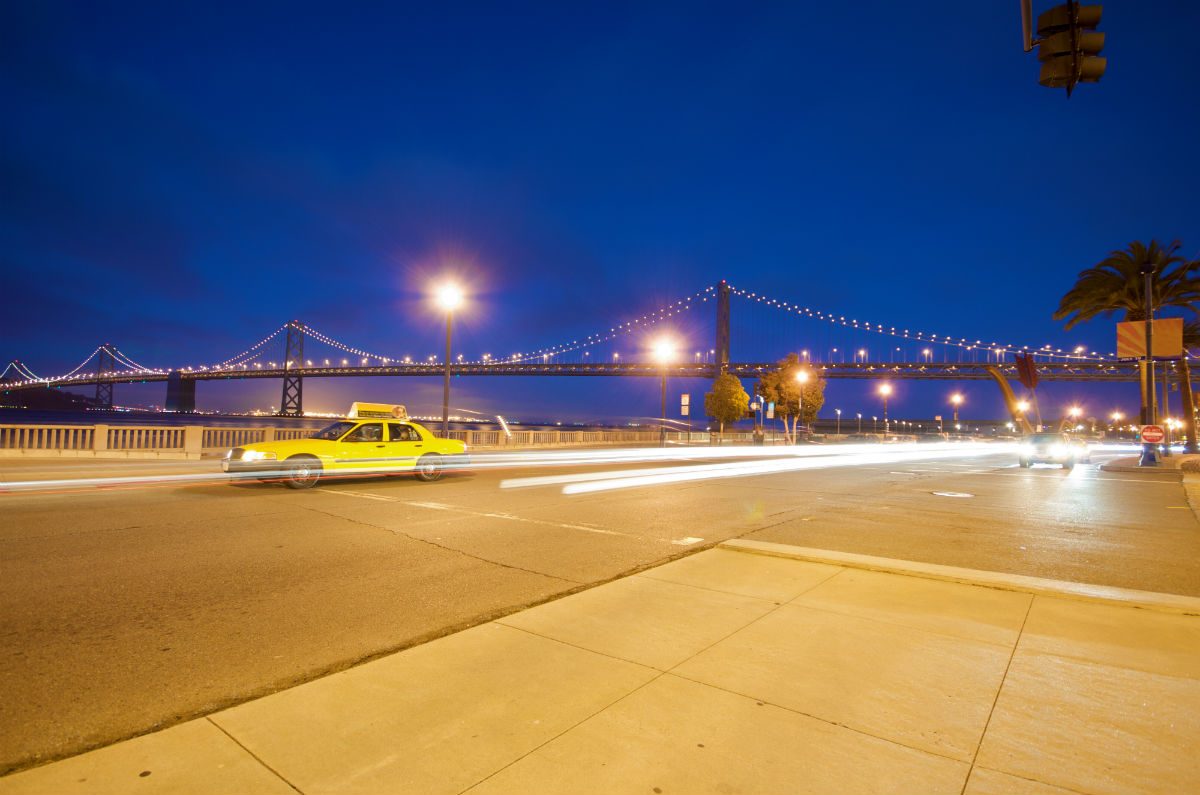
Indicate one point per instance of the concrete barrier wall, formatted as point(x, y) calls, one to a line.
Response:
point(194, 441)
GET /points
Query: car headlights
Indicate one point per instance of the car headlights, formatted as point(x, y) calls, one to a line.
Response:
point(1059, 451)
point(255, 455)
point(1028, 449)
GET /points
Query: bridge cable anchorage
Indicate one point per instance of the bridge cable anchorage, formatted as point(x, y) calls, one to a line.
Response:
point(918, 336)
point(241, 358)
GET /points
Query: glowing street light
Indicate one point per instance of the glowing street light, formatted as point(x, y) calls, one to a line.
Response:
point(449, 297)
point(801, 379)
point(956, 400)
point(664, 353)
point(839, 422)
point(885, 389)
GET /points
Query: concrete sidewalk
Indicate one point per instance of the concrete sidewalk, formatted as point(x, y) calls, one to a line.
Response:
point(748, 668)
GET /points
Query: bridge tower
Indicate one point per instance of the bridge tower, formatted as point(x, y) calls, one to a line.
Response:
point(292, 402)
point(722, 326)
point(181, 394)
point(106, 364)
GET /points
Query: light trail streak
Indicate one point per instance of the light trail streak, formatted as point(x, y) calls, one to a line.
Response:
point(739, 461)
point(638, 478)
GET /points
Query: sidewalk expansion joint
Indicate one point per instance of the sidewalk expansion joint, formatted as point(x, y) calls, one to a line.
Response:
point(253, 755)
point(983, 734)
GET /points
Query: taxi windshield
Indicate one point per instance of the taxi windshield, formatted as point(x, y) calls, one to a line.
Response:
point(333, 432)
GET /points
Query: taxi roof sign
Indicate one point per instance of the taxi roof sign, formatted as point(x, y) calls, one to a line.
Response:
point(382, 411)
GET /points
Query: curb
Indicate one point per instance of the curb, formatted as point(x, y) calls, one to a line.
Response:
point(1103, 594)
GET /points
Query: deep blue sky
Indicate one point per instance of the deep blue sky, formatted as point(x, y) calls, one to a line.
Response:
point(180, 179)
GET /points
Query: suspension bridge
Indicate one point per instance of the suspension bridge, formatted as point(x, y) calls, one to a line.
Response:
point(822, 340)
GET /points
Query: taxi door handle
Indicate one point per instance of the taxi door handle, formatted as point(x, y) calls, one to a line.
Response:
point(416, 445)
point(381, 445)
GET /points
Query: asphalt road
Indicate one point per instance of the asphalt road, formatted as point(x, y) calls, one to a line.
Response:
point(129, 608)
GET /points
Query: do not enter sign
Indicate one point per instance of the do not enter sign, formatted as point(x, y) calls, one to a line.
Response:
point(1153, 434)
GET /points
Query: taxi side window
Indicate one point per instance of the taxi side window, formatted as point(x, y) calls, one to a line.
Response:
point(371, 432)
point(402, 433)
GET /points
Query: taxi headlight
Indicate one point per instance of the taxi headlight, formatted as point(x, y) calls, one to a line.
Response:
point(1059, 451)
point(255, 455)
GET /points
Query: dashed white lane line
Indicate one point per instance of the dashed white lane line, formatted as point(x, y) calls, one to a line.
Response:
point(687, 541)
point(439, 506)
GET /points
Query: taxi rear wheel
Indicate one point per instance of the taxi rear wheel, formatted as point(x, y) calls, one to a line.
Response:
point(302, 472)
point(429, 467)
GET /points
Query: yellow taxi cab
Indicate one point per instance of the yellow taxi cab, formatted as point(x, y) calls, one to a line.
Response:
point(375, 438)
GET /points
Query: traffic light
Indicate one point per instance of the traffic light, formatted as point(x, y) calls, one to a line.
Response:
point(1069, 45)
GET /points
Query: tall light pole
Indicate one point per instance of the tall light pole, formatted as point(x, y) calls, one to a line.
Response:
point(449, 298)
point(839, 422)
point(885, 389)
point(956, 400)
point(801, 380)
point(664, 351)
point(860, 423)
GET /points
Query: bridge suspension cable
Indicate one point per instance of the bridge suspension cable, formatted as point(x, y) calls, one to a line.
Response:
point(251, 353)
point(22, 370)
point(130, 363)
point(917, 336)
point(621, 329)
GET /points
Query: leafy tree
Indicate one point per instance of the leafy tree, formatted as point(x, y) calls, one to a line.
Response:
point(781, 387)
point(728, 401)
point(1116, 284)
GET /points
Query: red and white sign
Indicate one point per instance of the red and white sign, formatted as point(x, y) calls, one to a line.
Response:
point(1153, 434)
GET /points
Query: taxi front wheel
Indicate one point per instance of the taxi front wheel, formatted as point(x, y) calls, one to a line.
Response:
point(429, 467)
point(302, 472)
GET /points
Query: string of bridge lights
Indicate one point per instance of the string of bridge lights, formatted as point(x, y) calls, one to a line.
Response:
point(919, 336)
point(21, 370)
point(245, 356)
point(621, 329)
point(130, 363)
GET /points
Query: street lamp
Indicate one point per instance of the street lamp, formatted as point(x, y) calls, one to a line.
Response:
point(956, 399)
point(801, 379)
point(860, 423)
point(449, 298)
point(874, 424)
point(885, 389)
point(839, 422)
point(664, 351)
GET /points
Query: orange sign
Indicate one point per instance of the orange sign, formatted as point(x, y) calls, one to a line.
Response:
point(1168, 339)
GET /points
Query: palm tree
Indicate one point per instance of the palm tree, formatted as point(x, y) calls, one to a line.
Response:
point(1116, 284)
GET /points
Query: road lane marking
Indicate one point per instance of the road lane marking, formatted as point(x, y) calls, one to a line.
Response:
point(361, 495)
point(439, 506)
point(687, 541)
